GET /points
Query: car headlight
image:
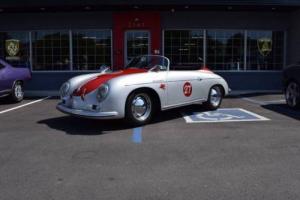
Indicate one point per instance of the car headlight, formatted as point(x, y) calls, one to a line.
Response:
point(102, 92)
point(64, 90)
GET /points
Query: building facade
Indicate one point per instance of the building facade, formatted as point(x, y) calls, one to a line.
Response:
point(248, 43)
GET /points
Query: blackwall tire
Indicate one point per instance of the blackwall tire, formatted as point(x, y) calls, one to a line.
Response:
point(215, 98)
point(17, 93)
point(292, 95)
point(139, 108)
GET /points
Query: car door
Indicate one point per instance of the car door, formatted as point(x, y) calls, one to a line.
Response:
point(159, 83)
point(7, 76)
point(183, 87)
point(297, 73)
point(2, 77)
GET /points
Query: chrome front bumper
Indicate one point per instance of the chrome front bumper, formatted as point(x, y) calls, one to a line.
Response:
point(87, 114)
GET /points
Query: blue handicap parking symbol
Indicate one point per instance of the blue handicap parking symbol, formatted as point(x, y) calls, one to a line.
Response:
point(223, 115)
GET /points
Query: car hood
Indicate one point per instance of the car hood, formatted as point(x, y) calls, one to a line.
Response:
point(101, 79)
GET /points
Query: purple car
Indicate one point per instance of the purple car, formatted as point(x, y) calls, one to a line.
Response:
point(12, 81)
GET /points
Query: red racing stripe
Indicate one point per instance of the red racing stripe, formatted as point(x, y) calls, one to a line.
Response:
point(101, 79)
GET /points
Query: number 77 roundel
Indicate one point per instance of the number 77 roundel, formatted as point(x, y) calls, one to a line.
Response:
point(187, 89)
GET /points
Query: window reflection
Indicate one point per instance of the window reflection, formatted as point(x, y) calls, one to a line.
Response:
point(91, 49)
point(184, 47)
point(225, 49)
point(265, 50)
point(50, 50)
point(137, 43)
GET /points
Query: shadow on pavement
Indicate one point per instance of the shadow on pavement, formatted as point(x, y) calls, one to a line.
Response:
point(80, 126)
point(7, 101)
point(284, 110)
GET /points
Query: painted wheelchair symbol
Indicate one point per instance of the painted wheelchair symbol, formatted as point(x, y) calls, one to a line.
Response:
point(223, 115)
point(215, 116)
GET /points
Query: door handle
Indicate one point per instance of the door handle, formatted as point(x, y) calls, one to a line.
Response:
point(199, 79)
point(157, 81)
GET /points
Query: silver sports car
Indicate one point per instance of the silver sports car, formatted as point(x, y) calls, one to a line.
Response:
point(145, 86)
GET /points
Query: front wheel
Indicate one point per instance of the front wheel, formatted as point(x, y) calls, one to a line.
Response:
point(17, 93)
point(292, 95)
point(215, 97)
point(139, 108)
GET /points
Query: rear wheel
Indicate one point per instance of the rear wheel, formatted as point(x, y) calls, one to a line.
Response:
point(139, 108)
point(17, 93)
point(292, 95)
point(215, 98)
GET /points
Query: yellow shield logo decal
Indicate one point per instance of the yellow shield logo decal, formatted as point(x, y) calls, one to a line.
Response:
point(12, 47)
point(264, 46)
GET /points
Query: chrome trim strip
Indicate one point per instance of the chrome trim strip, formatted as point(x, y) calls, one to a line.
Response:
point(2, 91)
point(87, 114)
point(183, 104)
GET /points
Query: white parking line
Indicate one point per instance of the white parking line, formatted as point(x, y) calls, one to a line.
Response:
point(276, 101)
point(254, 101)
point(263, 103)
point(26, 104)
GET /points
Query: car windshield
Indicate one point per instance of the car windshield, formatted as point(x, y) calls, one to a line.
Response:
point(149, 62)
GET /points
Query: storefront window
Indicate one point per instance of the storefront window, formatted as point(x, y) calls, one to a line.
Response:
point(184, 47)
point(225, 49)
point(91, 49)
point(14, 48)
point(137, 43)
point(265, 50)
point(50, 51)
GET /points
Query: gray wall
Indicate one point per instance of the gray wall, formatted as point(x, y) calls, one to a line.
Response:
point(51, 21)
point(235, 20)
point(293, 38)
point(22, 3)
point(42, 21)
point(253, 81)
point(226, 20)
point(176, 20)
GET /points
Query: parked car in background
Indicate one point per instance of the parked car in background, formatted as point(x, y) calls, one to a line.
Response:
point(146, 85)
point(12, 81)
point(291, 85)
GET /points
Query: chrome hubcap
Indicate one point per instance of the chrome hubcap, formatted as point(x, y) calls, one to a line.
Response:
point(141, 107)
point(292, 94)
point(215, 96)
point(19, 91)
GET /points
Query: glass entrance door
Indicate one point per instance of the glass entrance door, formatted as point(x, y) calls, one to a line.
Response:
point(136, 43)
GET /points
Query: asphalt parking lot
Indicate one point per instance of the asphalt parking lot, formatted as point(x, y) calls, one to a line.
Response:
point(45, 154)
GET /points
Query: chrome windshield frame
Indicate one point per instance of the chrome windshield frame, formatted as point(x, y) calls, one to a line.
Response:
point(163, 58)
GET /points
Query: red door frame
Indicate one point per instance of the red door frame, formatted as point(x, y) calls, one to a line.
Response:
point(138, 20)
